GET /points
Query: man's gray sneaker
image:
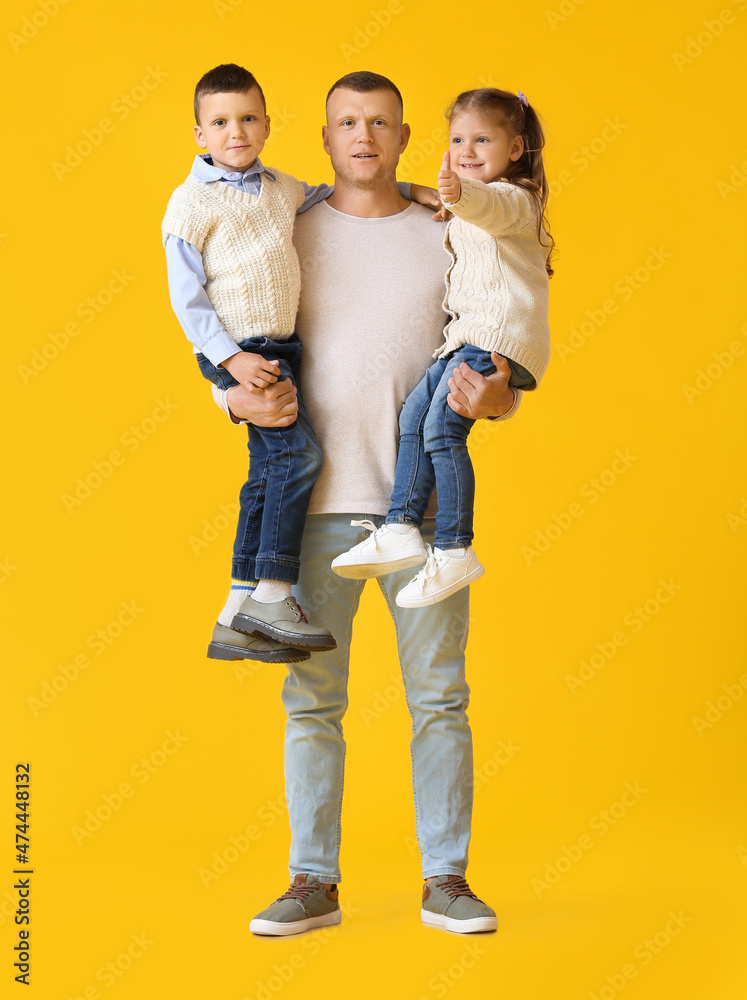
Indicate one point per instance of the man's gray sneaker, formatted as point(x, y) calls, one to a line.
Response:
point(306, 905)
point(284, 621)
point(228, 644)
point(449, 902)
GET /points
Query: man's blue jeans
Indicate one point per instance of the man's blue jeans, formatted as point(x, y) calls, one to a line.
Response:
point(284, 465)
point(431, 643)
point(433, 452)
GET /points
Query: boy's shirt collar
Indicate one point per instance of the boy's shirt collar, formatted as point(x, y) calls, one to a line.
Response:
point(203, 170)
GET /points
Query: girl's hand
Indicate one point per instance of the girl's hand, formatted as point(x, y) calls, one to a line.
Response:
point(449, 185)
point(251, 370)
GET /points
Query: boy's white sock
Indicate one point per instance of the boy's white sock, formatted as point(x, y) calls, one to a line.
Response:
point(270, 591)
point(402, 529)
point(240, 589)
point(456, 553)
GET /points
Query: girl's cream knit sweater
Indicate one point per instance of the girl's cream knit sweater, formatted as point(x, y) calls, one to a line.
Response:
point(497, 284)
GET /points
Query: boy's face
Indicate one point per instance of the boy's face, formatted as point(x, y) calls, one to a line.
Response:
point(233, 128)
point(364, 136)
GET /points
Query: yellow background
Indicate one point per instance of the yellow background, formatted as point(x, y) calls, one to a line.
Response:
point(653, 180)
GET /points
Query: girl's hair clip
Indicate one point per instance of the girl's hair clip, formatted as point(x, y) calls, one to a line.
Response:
point(523, 98)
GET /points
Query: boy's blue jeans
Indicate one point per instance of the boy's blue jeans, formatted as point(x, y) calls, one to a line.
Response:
point(433, 450)
point(284, 465)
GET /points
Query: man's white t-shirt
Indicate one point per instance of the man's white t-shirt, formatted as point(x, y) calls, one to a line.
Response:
point(370, 317)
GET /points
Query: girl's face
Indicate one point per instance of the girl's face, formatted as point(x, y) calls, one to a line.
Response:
point(480, 148)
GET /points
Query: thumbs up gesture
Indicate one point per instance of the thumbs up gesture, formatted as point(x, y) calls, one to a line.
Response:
point(449, 186)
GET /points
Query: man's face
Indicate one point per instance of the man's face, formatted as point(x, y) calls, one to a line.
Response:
point(364, 136)
point(233, 128)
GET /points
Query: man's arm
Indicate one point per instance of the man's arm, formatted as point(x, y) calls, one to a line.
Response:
point(472, 395)
point(484, 396)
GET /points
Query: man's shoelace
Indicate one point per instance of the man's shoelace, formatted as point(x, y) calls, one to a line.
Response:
point(298, 892)
point(457, 887)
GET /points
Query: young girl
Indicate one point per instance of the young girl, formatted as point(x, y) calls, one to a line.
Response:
point(493, 181)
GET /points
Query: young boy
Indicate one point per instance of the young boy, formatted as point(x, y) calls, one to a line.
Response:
point(234, 283)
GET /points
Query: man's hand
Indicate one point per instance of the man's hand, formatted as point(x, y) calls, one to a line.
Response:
point(449, 185)
point(476, 396)
point(275, 406)
point(429, 197)
point(251, 370)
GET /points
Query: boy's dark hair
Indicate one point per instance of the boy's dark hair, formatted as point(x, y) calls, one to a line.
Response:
point(225, 79)
point(364, 82)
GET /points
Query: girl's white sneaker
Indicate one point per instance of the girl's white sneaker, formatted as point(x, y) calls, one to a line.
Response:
point(384, 551)
point(442, 575)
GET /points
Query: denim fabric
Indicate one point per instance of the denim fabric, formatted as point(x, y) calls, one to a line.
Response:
point(284, 465)
point(431, 643)
point(520, 377)
point(433, 452)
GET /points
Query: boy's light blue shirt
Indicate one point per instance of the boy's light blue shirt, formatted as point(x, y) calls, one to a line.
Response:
point(184, 261)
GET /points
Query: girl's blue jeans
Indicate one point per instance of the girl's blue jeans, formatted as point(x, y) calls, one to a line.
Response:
point(284, 465)
point(433, 451)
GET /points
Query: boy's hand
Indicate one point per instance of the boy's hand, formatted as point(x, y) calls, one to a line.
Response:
point(251, 370)
point(428, 196)
point(449, 185)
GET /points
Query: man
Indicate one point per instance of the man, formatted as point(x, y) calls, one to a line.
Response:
point(370, 317)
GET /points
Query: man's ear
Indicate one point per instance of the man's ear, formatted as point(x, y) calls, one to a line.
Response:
point(199, 137)
point(404, 137)
point(325, 138)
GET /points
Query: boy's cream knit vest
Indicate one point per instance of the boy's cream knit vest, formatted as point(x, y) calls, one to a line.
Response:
point(246, 242)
